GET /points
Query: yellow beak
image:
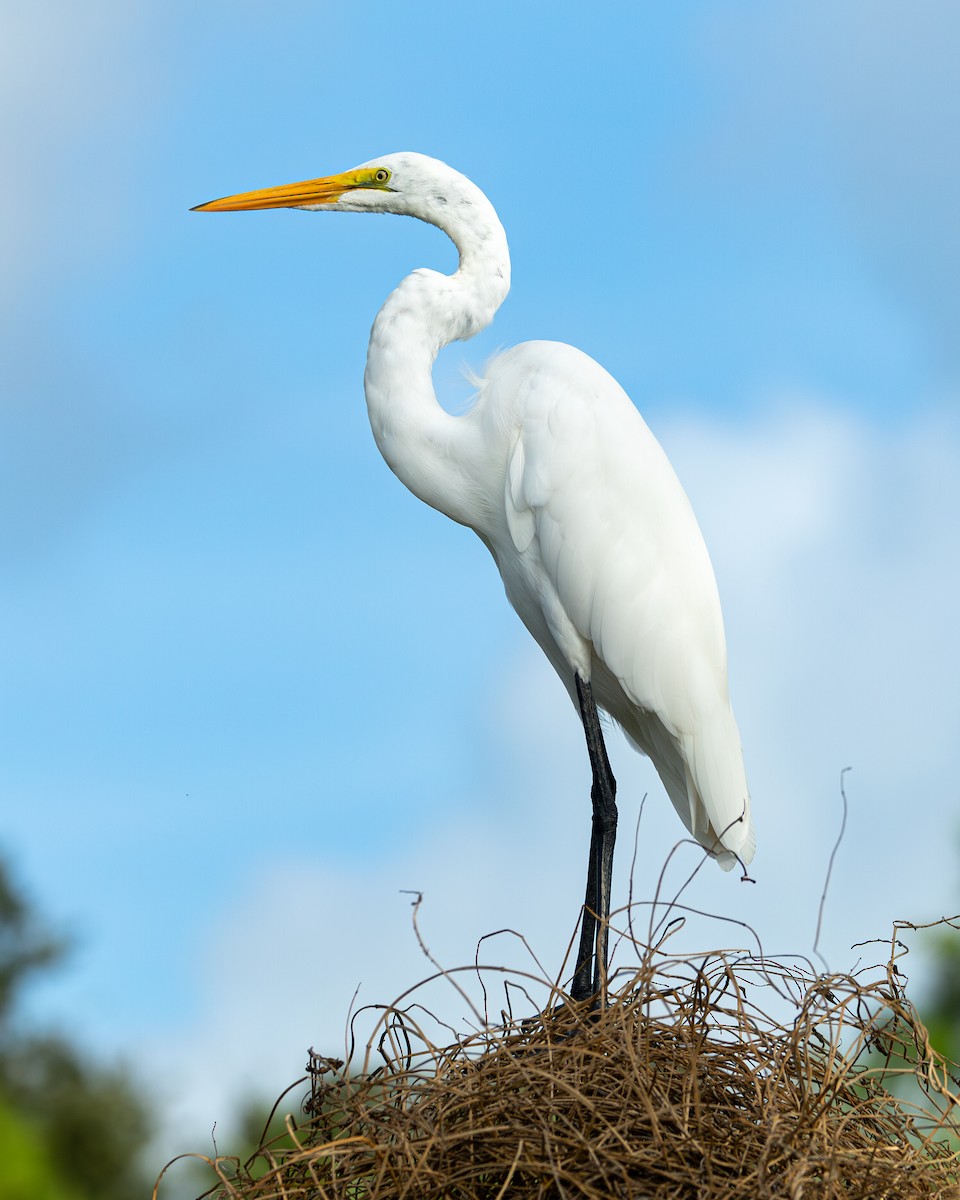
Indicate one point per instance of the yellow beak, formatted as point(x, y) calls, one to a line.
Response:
point(289, 195)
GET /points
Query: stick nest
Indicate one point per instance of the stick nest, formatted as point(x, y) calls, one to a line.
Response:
point(683, 1085)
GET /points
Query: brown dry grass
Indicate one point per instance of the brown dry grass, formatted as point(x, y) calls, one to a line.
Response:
point(684, 1085)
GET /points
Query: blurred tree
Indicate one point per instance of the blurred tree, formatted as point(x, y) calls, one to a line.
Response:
point(69, 1129)
point(940, 1008)
point(25, 1169)
point(24, 948)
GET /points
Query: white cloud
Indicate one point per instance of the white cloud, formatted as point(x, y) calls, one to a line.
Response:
point(75, 81)
point(835, 546)
point(859, 99)
point(70, 80)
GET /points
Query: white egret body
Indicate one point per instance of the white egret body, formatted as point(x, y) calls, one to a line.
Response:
point(556, 471)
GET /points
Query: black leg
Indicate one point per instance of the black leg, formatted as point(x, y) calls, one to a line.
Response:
point(582, 987)
point(592, 955)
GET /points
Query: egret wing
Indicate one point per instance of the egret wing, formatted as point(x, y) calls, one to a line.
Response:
point(611, 546)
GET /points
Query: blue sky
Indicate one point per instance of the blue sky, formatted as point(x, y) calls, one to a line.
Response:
point(245, 675)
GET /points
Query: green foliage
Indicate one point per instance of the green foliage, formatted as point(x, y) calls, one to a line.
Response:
point(941, 1007)
point(89, 1118)
point(70, 1129)
point(25, 1167)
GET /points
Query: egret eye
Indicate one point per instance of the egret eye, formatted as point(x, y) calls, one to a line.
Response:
point(382, 175)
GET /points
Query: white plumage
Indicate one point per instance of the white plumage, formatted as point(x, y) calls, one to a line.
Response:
point(556, 471)
point(608, 570)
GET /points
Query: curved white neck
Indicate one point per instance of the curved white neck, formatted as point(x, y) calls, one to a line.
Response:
point(427, 448)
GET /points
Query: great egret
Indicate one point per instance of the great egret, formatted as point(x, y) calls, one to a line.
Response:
point(557, 473)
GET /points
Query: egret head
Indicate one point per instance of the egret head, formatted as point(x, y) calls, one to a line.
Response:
point(406, 183)
point(411, 185)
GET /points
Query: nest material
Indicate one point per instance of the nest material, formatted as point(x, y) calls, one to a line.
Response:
point(683, 1085)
